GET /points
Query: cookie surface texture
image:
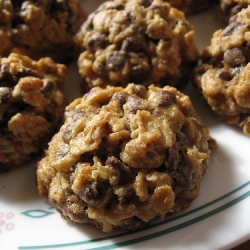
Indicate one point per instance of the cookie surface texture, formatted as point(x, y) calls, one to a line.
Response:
point(228, 8)
point(125, 156)
point(31, 106)
point(136, 41)
point(40, 28)
point(223, 77)
point(190, 7)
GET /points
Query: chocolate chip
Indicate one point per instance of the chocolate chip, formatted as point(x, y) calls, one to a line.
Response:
point(128, 197)
point(224, 75)
point(77, 209)
point(184, 176)
point(133, 43)
point(229, 30)
point(120, 97)
point(89, 193)
point(132, 224)
point(234, 57)
point(25, 72)
point(48, 86)
point(165, 98)
point(5, 96)
point(172, 159)
point(140, 90)
point(66, 134)
point(123, 173)
point(135, 103)
point(97, 40)
point(115, 60)
point(6, 78)
point(94, 195)
point(182, 173)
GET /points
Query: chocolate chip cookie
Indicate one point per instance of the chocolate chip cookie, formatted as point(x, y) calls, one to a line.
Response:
point(31, 106)
point(40, 28)
point(136, 41)
point(223, 76)
point(228, 8)
point(125, 156)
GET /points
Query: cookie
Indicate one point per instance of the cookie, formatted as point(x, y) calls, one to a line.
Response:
point(190, 7)
point(228, 8)
point(125, 156)
point(40, 28)
point(136, 41)
point(31, 106)
point(223, 76)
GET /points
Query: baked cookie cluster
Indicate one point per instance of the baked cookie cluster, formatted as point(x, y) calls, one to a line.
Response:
point(40, 28)
point(223, 76)
point(143, 42)
point(31, 106)
point(125, 156)
point(228, 8)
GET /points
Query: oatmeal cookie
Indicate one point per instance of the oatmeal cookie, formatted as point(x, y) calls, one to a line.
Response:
point(40, 28)
point(31, 106)
point(223, 76)
point(228, 8)
point(125, 156)
point(190, 7)
point(136, 41)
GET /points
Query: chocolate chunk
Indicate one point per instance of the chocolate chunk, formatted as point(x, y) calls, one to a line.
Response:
point(5, 96)
point(229, 30)
point(165, 98)
point(234, 57)
point(132, 224)
point(120, 97)
point(95, 196)
point(128, 197)
point(140, 90)
point(96, 41)
point(136, 103)
point(224, 75)
point(115, 60)
point(126, 175)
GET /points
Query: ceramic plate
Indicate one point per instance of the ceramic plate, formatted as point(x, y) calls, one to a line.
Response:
point(217, 219)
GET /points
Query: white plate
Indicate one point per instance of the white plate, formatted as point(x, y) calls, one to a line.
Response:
point(217, 219)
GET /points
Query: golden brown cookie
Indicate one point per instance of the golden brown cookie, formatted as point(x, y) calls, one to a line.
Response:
point(40, 28)
point(125, 156)
point(136, 41)
point(31, 106)
point(228, 8)
point(223, 77)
